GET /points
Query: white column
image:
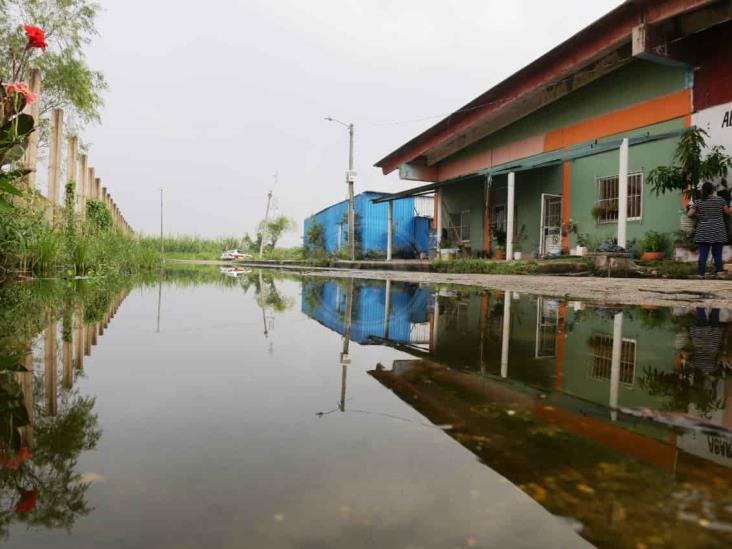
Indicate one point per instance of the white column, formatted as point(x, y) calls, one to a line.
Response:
point(439, 216)
point(435, 321)
point(506, 332)
point(387, 306)
point(623, 194)
point(615, 365)
point(509, 215)
point(389, 229)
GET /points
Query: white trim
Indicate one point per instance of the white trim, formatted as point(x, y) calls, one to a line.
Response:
point(544, 196)
point(630, 176)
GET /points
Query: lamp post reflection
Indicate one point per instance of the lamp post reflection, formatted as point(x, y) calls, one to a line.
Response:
point(345, 357)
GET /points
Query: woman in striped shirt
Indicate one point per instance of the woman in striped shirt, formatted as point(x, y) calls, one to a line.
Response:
point(711, 227)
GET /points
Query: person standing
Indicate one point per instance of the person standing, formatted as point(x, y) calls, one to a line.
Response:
point(711, 227)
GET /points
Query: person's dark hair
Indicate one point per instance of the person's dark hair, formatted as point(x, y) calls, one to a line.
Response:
point(707, 189)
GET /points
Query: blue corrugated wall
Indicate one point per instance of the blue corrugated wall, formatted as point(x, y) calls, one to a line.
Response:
point(411, 233)
point(409, 305)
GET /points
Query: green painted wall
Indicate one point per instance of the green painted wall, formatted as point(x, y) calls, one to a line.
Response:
point(468, 196)
point(660, 213)
point(634, 83)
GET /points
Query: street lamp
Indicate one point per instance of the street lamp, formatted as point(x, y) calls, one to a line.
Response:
point(350, 179)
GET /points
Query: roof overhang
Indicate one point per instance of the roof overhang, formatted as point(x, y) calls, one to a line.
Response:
point(595, 51)
point(536, 162)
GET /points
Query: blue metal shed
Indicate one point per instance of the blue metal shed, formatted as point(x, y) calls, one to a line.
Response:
point(409, 307)
point(412, 222)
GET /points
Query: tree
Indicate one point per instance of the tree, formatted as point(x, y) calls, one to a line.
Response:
point(273, 230)
point(691, 166)
point(68, 81)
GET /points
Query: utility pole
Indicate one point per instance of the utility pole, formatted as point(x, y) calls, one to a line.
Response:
point(266, 220)
point(350, 180)
point(162, 245)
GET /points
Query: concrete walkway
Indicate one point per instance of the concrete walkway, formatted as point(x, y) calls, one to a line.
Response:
point(615, 291)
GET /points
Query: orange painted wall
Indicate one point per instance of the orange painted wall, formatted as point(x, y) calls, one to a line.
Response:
point(664, 108)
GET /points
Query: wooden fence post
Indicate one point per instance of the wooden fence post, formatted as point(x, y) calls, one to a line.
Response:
point(54, 157)
point(30, 160)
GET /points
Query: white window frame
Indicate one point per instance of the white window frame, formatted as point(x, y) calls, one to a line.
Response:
point(607, 358)
point(598, 185)
point(464, 223)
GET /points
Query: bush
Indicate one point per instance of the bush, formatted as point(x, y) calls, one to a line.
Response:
point(653, 241)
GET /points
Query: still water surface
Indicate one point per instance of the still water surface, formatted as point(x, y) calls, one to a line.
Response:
point(216, 410)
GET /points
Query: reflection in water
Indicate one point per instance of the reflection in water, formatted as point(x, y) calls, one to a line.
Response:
point(548, 393)
point(45, 425)
point(615, 419)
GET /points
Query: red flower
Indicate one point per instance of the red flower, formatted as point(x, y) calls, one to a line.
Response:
point(36, 37)
point(27, 501)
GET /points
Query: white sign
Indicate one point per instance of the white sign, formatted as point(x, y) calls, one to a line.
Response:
point(717, 122)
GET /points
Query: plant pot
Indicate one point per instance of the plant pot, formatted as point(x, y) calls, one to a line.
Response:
point(687, 224)
point(448, 254)
point(517, 256)
point(499, 254)
point(653, 256)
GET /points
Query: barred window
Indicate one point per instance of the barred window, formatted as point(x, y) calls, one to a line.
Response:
point(460, 225)
point(602, 358)
point(607, 198)
point(499, 218)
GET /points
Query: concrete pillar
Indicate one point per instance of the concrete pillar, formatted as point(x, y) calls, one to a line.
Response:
point(67, 380)
point(440, 216)
point(623, 194)
point(389, 229)
point(49, 368)
point(98, 188)
point(505, 340)
point(615, 365)
point(79, 339)
point(509, 215)
point(54, 155)
point(90, 179)
point(387, 307)
point(30, 160)
point(72, 163)
point(83, 191)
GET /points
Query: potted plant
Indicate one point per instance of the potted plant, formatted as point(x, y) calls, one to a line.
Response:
point(447, 249)
point(500, 251)
point(653, 246)
point(690, 168)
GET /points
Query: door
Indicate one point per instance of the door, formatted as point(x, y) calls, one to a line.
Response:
point(547, 324)
point(551, 224)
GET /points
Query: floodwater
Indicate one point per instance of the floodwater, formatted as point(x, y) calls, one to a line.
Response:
point(254, 409)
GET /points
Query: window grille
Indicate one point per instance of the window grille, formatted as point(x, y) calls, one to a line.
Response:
point(602, 358)
point(460, 225)
point(499, 218)
point(607, 197)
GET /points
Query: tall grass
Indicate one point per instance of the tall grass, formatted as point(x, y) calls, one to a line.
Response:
point(30, 244)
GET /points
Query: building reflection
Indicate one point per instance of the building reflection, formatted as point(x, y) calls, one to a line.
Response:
point(552, 392)
point(45, 422)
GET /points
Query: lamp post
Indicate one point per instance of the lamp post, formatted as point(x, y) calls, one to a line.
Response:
point(350, 179)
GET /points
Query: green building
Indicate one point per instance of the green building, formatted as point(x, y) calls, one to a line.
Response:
point(540, 153)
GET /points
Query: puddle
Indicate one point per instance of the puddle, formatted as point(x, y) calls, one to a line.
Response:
point(245, 408)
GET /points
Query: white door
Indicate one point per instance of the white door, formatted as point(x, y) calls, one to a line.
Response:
point(551, 224)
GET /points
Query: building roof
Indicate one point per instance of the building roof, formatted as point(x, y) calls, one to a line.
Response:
point(373, 193)
point(540, 82)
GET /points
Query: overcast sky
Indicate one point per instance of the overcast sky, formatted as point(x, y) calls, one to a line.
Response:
point(209, 99)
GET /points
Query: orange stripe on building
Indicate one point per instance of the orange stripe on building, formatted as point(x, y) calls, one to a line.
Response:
point(662, 454)
point(664, 108)
point(566, 196)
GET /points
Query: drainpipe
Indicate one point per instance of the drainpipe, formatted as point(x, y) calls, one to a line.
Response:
point(509, 215)
point(615, 365)
point(623, 195)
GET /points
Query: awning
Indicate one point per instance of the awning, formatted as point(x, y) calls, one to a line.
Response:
point(535, 162)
